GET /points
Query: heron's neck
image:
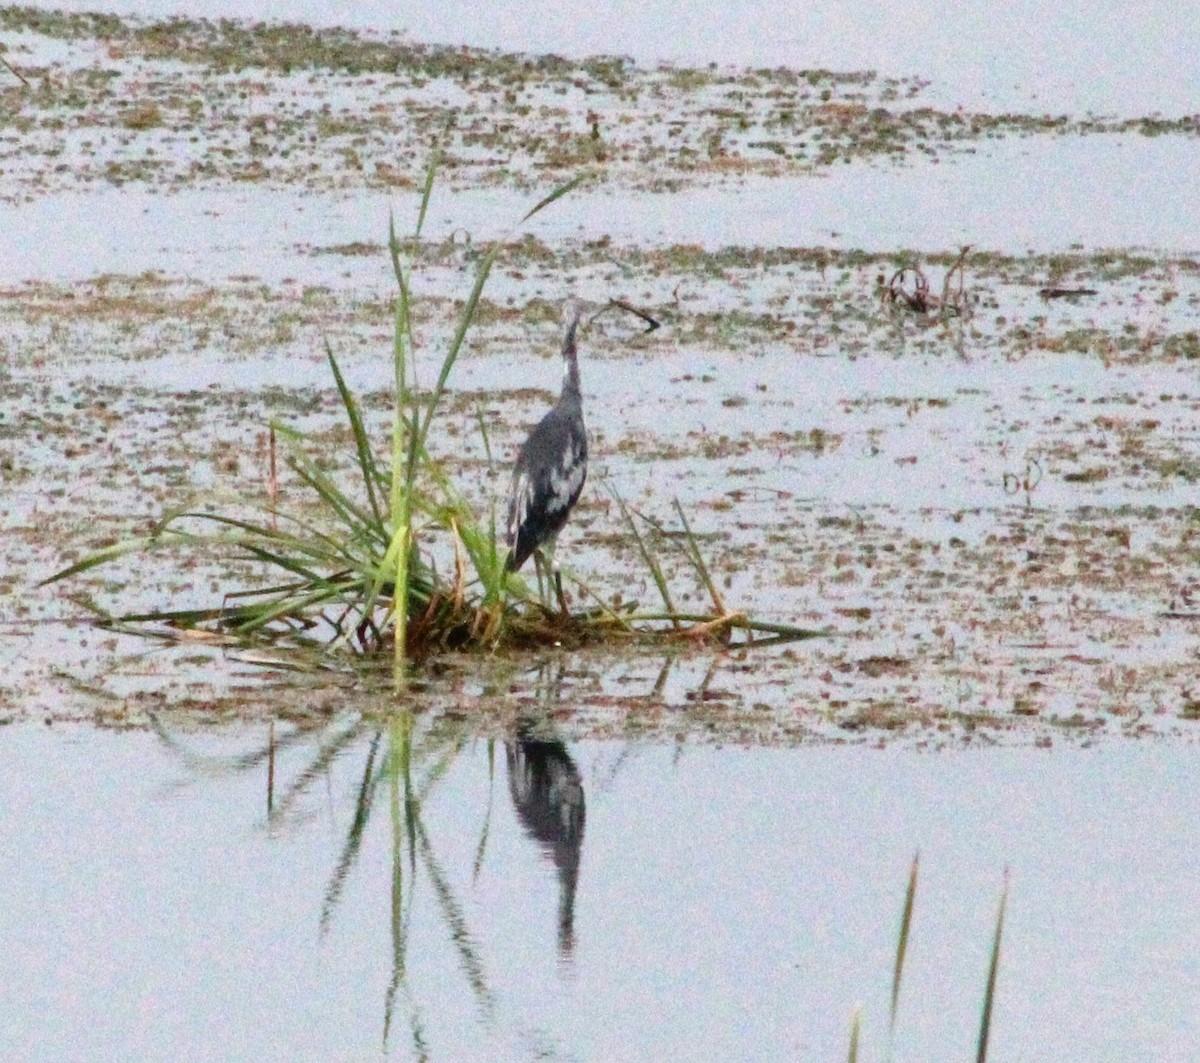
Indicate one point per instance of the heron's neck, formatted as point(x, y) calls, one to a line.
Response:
point(570, 385)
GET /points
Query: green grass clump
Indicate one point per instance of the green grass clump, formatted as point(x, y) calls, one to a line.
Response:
point(358, 570)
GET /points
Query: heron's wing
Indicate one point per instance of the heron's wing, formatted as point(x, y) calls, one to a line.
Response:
point(547, 481)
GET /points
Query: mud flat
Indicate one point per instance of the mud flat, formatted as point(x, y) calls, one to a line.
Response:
point(990, 509)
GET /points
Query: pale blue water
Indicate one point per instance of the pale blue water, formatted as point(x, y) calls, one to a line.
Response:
point(729, 903)
point(1049, 194)
point(1029, 54)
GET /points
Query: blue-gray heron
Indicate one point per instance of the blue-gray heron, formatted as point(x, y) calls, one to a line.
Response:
point(552, 463)
point(551, 466)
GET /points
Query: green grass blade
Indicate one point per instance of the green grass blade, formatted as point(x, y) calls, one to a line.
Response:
point(394, 250)
point(910, 897)
point(252, 539)
point(403, 365)
point(358, 521)
point(404, 540)
point(427, 190)
point(496, 560)
point(283, 561)
point(402, 326)
point(483, 433)
point(402, 548)
point(650, 560)
point(557, 194)
point(985, 1022)
point(322, 549)
point(110, 553)
point(468, 313)
point(464, 323)
point(405, 444)
point(292, 606)
point(366, 459)
point(693, 551)
point(307, 540)
point(185, 618)
point(855, 1030)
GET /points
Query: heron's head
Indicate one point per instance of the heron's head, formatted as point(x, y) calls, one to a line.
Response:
point(572, 312)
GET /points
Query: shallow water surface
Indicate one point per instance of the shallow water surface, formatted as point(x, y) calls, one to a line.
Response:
point(990, 511)
point(1011, 196)
point(1105, 57)
point(419, 893)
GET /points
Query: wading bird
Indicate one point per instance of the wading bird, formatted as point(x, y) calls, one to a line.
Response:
point(552, 463)
point(551, 468)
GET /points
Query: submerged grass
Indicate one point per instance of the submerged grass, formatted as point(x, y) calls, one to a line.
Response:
point(362, 573)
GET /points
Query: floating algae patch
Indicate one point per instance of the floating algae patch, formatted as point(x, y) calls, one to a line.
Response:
point(180, 103)
point(989, 508)
point(997, 528)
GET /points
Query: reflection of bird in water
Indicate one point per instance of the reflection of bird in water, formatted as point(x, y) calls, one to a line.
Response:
point(547, 793)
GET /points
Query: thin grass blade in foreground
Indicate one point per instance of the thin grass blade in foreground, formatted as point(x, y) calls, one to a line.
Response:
point(557, 194)
point(697, 560)
point(985, 1022)
point(902, 944)
point(855, 1029)
point(362, 444)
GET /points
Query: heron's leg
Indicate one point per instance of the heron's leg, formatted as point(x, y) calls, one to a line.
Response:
point(557, 576)
point(562, 601)
point(544, 559)
point(538, 564)
point(542, 564)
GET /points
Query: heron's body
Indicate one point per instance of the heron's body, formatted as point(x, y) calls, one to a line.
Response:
point(551, 465)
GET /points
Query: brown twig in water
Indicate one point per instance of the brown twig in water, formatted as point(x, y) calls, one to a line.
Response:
point(1055, 292)
point(958, 302)
point(272, 479)
point(918, 299)
point(271, 769)
point(652, 323)
point(15, 72)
